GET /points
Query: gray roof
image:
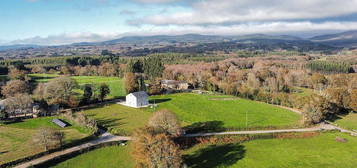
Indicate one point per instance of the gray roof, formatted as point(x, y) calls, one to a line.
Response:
point(59, 123)
point(140, 94)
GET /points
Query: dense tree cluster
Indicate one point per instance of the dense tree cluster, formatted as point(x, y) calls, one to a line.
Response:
point(330, 67)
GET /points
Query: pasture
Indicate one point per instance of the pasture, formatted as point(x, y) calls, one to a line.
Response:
point(205, 113)
point(313, 152)
point(115, 84)
point(16, 139)
point(222, 111)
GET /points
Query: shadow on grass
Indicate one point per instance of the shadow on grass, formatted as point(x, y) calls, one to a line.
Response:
point(152, 101)
point(339, 116)
point(216, 156)
point(204, 127)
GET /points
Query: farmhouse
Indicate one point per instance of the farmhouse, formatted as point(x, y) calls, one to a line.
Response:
point(137, 99)
point(173, 84)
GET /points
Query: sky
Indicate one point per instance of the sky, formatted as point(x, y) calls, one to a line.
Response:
point(56, 22)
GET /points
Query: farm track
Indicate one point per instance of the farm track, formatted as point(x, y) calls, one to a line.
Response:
point(104, 138)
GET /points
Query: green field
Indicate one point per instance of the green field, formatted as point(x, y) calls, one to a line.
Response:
point(321, 151)
point(119, 119)
point(16, 139)
point(113, 156)
point(225, 111)
point(115, 84)
point(215, 112)
point(348, 122)
point(314, 152)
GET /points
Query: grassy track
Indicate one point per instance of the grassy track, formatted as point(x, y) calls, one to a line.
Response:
point(16, 139)
point(319, 151)
point(115, 84)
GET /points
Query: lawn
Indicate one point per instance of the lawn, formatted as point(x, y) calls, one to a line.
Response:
point(16, 139)
point(225, 111)
point(348, 122)
point(113, 156)
point(115, 84)
point(314, 152)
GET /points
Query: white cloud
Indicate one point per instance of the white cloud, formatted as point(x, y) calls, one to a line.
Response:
point(251, 28)
point(235, 11)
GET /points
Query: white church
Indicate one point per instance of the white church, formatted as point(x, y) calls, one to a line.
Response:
point(137, 99)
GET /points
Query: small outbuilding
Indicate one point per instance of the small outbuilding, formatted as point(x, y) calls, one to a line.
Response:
point(137, 99)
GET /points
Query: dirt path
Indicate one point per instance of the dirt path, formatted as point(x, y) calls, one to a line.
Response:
point(104, 138)
point(318, 128)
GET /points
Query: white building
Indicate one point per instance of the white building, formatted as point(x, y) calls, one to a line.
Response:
point(137, 99)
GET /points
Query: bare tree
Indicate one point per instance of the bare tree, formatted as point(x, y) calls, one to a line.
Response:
point(155, 150)
point(60, 91)
point(14, 87)
point(19, 104)
point(165, 121)
point(48, 138)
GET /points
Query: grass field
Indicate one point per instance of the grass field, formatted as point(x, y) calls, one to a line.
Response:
point(225, 111)
point(119, 119)
point(16, 139)
point(115, 84)
point(215, 112)
point(348, 122)
point(316, 152)
point(113, 156)
point(321, 151)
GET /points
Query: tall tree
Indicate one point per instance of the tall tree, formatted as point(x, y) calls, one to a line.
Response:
point(60, 91)
point(166, 122)
point(134, 66)
point(87, 93)
point(14, 87)
point(104, 90)
point(155, 150)
point(130, 82)
point(153, 67)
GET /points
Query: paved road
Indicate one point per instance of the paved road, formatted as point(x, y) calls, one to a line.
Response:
point(104, 138)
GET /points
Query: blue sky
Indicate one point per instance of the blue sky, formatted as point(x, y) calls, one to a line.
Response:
point(55, 22)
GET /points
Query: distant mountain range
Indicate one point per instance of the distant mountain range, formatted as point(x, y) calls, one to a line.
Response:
point(345, 39)
point(18, 46)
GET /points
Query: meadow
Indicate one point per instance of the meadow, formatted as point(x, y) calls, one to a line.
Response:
point(313, 152)
point(225, 111)
point(16, 140)
point(348, 121)
point(112, 156)
point(115, 84)
point(197, 113)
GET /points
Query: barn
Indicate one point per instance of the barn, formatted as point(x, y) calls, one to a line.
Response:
point(137, 99)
